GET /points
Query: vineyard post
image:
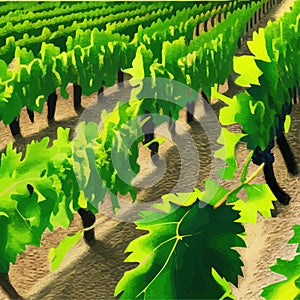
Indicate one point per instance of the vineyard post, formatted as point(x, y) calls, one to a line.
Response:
point(51, 103)
point(88, 220)
point(255, 18)
point(77, 92)
point(197, 30)
point(219, 17)
point(264, 8)
point(295, 94)
point(212, 21)
point(101, 91)
point(8, 287)
point(205, 25)
point(15, 126)
point(190, 112)
point(287, 154)
point(148, 130)
point(270, 178)
point(251, 22)
point(171, 124)
point(121, 78)
point(30, 114)
point(259, 13)
point(240, 42)
point(204, 96)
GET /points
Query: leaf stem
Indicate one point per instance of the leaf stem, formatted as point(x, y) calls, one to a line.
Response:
point(246, 165)
point(257, 171)
point(237, 189)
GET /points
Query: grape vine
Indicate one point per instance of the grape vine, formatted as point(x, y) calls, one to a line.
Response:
point(259, 110)
point(188, 247)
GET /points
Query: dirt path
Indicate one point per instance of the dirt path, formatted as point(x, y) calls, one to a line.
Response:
point(93, 273)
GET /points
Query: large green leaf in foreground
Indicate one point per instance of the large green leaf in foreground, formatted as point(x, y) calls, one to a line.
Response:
point(177, 256)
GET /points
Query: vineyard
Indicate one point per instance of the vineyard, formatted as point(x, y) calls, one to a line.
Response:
point(149, 150)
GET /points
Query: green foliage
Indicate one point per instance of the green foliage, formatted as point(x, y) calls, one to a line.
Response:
point(183, 246)
point(58, 30)
point(92, 54)
point(107, 161)
point(41, 190)
point(213, 192)
point(290, 287)
point(227, 152)
point(164, 256)
point(206, 61)
point(296, 238)
point(259, 199)
point(45, 10)
point(32, 192)
point(270, 73)
point(94, 15)
point(57, 254)
point(225, 285)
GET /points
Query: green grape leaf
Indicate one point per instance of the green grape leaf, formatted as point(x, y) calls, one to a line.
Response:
point(245, 167)
point(179, 252)
point(182, 199)
point(61, 216)
point(259, 200)
point(225, 284)
point(29, 192)
point(3, 70)
point(57, 254)
point(288, 288)
point(4, 221)
point(227, 152)
point(228, 113)
point(258, 46)
point(213, 192)
point(106, 160)
point(84, 157)
point(140, 63)
point(296, 238)
point(25, 56)
point(249, 72)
